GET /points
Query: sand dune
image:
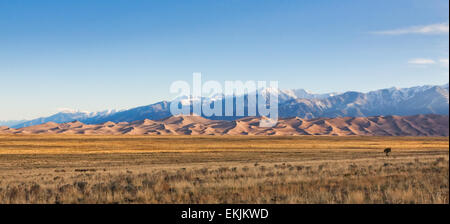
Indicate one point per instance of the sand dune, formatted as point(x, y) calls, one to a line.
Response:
point(419, 125)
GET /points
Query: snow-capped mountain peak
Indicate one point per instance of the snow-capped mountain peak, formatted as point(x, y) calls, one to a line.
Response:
point(292, 103)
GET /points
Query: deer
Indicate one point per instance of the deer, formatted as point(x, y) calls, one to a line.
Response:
point(387, 151)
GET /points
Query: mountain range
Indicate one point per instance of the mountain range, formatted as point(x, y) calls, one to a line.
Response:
point(299, 103)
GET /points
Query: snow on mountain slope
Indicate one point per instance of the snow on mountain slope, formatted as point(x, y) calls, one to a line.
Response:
point(65, 116)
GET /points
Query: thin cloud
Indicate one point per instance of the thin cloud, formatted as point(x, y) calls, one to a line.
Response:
point(440, 28)
point(421, 61)
point(444, 62)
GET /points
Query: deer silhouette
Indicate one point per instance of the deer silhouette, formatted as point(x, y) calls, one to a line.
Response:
point(387, 151)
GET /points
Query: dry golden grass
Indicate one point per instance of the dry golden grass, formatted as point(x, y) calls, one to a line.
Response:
point(85, 144)
point(241, 169)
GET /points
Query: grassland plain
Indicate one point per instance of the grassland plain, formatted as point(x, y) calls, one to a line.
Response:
point(225, 169)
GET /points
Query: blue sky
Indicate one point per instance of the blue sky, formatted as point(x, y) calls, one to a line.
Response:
point(97, 55)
